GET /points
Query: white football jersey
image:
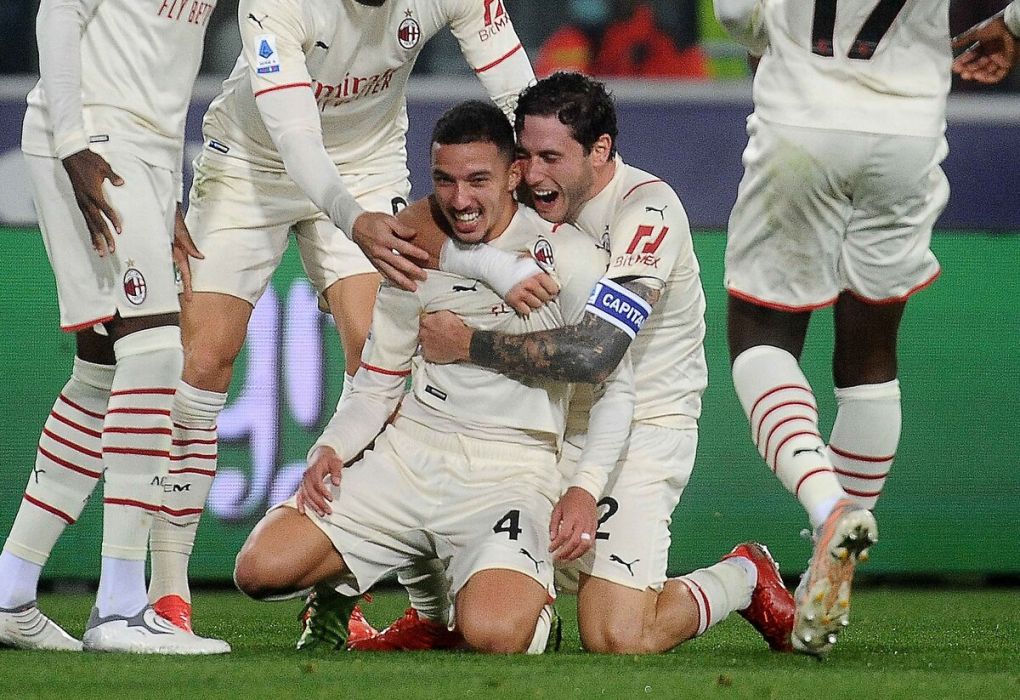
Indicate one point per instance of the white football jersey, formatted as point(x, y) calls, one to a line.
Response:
point(139, 60)
point(472, 399)
point(878, 66)
point(356, 60)
point(639, 219)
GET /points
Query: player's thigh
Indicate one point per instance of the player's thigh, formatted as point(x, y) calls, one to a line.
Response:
point(240, 220)
point(886, 255)
point(285, 552)
point(350, 301)
point(138, 278)
point(379, 510)
point(786, 227)
point(213, 329)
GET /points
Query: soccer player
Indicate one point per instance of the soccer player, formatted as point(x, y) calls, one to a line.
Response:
point(466, 470)
point(841, 188)
point(103, 138)
point(650, 301)
point(307, 136)
point(991, 47)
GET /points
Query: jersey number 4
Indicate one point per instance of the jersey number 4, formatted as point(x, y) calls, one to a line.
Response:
point(866, 41)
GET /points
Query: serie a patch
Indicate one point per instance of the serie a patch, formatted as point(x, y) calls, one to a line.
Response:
point(619, 306)
point(267, 60)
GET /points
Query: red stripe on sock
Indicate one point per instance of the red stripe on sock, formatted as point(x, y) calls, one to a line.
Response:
point(193, 470)
point(704, 599)
point(863, 494)
point(858, 475)
point(136, 451)
point(138, 431)
point(68, 465)
point(860, 458)
point(136, 392)
point(82, 409)
point(183, 443)
point(140, 411)
point(761, 421)
point(775, 427)
point(74, 446)
point(50, 509)
point(786, 440)
point(807, 476)
point(191, 455)
point(181, 512)
point(76, 426)
point(130, 503)
point(781, 387)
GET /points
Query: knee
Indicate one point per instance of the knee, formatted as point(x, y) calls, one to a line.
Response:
point(495, 634)
point(259, 575)
point(615, 639)
point(208, 364)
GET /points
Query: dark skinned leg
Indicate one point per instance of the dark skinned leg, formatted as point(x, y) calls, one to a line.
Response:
point(749, 325)
point(866, 335)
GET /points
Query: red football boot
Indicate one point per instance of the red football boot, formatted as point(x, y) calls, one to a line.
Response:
point(772, 608)
point(410, 633)
point(176, 610)
point(358, 628)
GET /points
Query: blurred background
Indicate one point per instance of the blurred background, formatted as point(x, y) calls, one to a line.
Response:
point(952, 505)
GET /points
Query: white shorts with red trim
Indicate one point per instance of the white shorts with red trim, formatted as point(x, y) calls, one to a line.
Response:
point(138, 278)
point(474, 504)
point(635, 511)
point(820, 212)
point(241, 218)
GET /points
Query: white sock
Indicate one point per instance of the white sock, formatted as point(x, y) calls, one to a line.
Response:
point(185, 490)
point(427, 589)
point(121, 587)
point(782, 410)
point(136, 455)
point(865, 437)
point(67, 468)
point(19, 582)
point(540, 640)
point(720, 589)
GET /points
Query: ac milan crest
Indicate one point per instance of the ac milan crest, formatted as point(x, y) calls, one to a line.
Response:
point(543, 253)
point(134, 286)
point(408, 33)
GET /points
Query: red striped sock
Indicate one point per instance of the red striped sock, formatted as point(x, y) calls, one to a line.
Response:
point(865, 437)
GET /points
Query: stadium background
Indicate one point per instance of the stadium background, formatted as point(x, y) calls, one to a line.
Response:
point(950, 507)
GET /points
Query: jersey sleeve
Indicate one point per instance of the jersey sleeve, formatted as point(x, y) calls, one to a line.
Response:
point(59, 27)
point(491, 47)
point(379, 382)
point(578, 264)
point(273, 34)
point(649, 234)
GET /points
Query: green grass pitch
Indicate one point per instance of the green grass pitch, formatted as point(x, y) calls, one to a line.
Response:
point(902, 643)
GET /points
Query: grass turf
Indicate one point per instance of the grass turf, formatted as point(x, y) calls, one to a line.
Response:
point(903, 643)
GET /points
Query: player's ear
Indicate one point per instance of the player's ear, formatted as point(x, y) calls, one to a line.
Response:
point(601, 149)
point(516, 173)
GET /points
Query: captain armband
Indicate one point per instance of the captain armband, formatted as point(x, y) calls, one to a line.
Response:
point(619, 306)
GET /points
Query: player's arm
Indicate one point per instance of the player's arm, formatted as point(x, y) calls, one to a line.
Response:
point(376, 390)
point(491, 47)
point(609, 422)
point(744, 21)
point(282, 88)
point(59, 28)
point(991, 47)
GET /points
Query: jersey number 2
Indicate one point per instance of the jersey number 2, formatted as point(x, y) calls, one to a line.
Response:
point(866, 41)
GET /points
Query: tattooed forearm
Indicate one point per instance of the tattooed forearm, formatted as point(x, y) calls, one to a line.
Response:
point(587, 352)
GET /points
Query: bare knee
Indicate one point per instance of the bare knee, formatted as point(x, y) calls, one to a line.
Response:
point(491, 626)
point(213, 328)
point(259, 575)
point(609, 638)
point(496, 634)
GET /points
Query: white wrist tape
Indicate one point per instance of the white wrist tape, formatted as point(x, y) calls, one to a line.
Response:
point(499, 269)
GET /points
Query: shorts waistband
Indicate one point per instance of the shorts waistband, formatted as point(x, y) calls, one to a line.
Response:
point(471, 447)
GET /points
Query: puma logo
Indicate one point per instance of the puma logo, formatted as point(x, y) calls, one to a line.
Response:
point(322, 45)
point(256, 20)
point(36, 472)
point(534, 561)
point(660, 212)
point(465, 288)
point(618, 560)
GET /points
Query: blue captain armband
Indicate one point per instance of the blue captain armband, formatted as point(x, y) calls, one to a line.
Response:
point(619, 306)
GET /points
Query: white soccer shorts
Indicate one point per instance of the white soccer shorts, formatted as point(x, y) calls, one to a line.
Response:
point(240, 219)
point(420, 494)
point(138, 278)
point(635, 511)
point(821, 211)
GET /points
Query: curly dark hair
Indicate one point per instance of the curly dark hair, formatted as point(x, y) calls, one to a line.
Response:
point(579, 102)
point(476, 121)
